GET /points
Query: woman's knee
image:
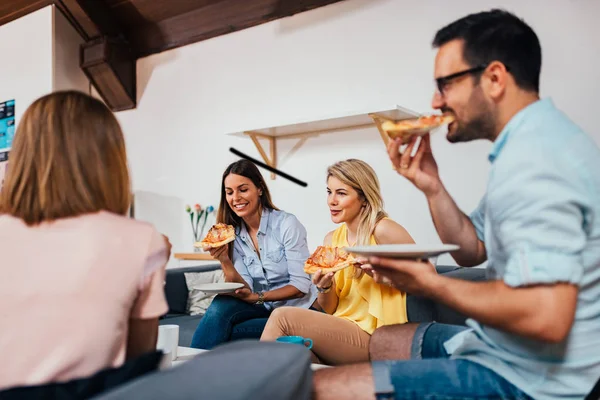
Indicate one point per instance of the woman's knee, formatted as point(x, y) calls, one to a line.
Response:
point(277, 325)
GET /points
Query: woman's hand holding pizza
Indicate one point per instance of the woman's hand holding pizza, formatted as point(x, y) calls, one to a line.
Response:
point(321, 280)
point(220, 253)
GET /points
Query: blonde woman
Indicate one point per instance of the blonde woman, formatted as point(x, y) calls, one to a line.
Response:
point(354, 304)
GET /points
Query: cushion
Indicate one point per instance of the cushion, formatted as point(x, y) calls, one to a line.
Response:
point(176, 290)
point(234, 371)
point(198, 301)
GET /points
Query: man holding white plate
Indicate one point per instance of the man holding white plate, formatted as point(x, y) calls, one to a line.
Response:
point(533, 327)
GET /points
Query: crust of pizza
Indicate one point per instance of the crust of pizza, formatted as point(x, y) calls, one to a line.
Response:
point(218, 235)
point(312, 268)
point(407, 128)
point(329, 259)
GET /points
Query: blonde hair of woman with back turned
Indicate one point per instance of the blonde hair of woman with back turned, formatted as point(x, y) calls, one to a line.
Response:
point(354, 304)
point(81, 279)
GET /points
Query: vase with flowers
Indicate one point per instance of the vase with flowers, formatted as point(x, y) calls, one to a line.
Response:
point(198, 219)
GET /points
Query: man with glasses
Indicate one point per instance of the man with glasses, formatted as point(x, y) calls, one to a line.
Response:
point(534, 327)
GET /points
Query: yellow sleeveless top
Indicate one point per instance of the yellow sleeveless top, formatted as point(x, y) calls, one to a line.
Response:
point(364, 301)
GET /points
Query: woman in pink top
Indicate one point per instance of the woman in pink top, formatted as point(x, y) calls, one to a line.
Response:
point(82, 284)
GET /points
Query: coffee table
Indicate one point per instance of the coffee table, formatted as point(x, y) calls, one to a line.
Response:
point(187, 353)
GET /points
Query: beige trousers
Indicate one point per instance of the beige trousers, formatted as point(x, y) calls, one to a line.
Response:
point(336, 341)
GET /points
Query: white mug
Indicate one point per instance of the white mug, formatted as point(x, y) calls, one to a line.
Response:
point(168, 340)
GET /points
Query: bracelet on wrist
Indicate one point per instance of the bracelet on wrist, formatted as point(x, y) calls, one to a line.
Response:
point(324, 290)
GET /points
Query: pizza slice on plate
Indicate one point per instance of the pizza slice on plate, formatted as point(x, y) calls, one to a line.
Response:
point(329, 259)
point(407, 128)
point(218, 235)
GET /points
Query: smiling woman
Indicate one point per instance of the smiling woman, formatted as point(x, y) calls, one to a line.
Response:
point(354, 304)
point(267, 257)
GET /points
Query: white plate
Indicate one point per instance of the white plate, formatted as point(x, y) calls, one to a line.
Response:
point(406, 251)
point(220, 287)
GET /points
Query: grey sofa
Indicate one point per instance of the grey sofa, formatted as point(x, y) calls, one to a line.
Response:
point(419, 309)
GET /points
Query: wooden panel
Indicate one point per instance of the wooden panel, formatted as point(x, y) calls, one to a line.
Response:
point(152, 26)
point(193, 256)
point(13, 9)
point(213, 20)
point(110, 65)
point(139, 12)
point(92, 18)
point(78, 18)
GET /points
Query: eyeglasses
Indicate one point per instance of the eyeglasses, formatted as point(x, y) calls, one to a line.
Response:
point(445, 80)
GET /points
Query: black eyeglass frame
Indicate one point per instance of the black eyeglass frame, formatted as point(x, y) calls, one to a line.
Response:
point(444, 80)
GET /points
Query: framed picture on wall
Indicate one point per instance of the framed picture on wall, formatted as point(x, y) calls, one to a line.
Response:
point(3, 167)
point(7, 125)
point(7, 134)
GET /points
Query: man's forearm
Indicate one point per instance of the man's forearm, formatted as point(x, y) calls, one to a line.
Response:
point(543, 312)
point(453, 226)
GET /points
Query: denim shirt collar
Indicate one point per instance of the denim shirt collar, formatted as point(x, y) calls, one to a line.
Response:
point(241, 230)
point(514, 124)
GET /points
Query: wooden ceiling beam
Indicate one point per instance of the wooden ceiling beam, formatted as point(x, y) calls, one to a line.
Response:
point(11, 10)
point(287, 8)
point(113, 44)
point(213, 20)
point(107, 58)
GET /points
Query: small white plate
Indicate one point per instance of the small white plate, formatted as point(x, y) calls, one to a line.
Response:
point(220, 287)
point(403, 251)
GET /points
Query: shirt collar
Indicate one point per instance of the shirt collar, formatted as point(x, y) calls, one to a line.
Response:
point(514, 124)
point(264, 222)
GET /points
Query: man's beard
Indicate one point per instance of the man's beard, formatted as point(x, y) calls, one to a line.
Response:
point(480, 126)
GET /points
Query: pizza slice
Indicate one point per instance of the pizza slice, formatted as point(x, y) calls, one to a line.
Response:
point(329, 259)
point(407, 128)
point(218, 235)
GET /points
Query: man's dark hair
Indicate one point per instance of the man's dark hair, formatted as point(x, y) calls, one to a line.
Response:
point(498, 35)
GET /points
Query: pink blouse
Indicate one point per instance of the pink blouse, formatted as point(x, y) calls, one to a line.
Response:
point(67, 291)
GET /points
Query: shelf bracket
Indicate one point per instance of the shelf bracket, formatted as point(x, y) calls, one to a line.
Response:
point(270, 161)
point(377, 120)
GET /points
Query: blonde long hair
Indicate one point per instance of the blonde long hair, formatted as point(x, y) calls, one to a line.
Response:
point(361, 177)
point(68, 158)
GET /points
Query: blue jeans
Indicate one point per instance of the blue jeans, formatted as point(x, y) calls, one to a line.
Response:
point(229, 318)
point(431, 374)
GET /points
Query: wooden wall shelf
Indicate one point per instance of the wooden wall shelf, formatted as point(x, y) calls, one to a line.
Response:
point(303, 131)
point(194, 256)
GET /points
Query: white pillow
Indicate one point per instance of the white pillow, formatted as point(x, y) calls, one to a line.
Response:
point(199, 301)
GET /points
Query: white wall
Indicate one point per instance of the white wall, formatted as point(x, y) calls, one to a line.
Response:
point(26, 67)
point(67, 75)
point(40, 53)
point(357, 55)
